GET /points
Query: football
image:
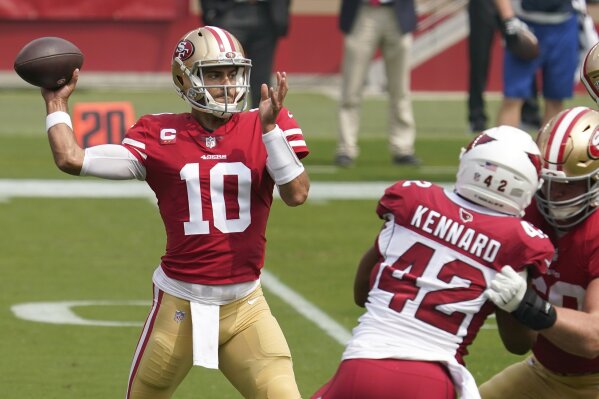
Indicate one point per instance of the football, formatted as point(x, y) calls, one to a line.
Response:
point(48, 62)
point(525, 46)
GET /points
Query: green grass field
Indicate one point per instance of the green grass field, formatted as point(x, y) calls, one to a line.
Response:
point(93, 249)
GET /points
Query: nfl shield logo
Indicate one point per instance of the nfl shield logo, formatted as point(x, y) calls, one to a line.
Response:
point(179, 316)
point(210, 142)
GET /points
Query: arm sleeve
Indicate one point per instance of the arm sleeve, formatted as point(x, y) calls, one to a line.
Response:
point(391, 201)
point(112, 161)
point(293, 133)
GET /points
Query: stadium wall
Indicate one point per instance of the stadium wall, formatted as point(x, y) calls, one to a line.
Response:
point(138, 37)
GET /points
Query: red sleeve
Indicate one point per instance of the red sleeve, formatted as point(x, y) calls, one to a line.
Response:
point(590, 230)
point(293, 133)
point(530, 248)
point(392, 200)
point(136, 139)
point(594, 263)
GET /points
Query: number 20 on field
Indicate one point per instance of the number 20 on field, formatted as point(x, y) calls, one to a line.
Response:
point(102, 123)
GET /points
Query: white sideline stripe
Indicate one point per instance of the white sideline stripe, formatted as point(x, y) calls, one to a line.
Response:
point(11, 188)
point(134, 189)
point(305, 308)
point(62, 312)
point(67, 188)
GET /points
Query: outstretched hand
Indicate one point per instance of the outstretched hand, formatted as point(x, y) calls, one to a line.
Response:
point(57, 100)
point(271, 102)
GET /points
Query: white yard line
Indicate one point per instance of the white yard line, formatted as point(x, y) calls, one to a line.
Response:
point(305, 308)
point(61, 312)
point(10, 189)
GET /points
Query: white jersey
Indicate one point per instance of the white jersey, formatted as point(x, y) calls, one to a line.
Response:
point(438, 253)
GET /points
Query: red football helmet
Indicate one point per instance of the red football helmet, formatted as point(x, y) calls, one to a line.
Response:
point(206, 47)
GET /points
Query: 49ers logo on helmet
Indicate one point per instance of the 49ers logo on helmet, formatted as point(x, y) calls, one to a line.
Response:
point(184, 50)
point(594, 144)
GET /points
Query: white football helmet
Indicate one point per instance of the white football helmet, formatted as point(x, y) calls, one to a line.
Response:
point(589, 73)
point(569, 145)
point(500, 170)
point(205, 47)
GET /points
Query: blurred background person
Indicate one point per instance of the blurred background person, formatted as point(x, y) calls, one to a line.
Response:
point(368, 26)
point(484, 20)
point(554, 23)
point(258, 25)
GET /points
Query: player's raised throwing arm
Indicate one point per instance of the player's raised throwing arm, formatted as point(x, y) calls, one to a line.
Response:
point(68, 155)
point(108, 161)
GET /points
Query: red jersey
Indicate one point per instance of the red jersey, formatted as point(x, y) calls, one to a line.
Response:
point(438, 254)
point(575, 264)
point(213, 190)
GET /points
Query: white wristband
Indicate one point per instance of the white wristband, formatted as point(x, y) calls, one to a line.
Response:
point(57, 117)
point(282, 163)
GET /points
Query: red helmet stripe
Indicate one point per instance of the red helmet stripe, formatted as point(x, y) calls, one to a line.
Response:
point(556, 125)
point(230, 40)
point(554, 153)
point(218, 36)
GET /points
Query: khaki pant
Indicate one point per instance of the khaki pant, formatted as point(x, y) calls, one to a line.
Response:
point(530, 380)
point(376, 27)
point(253, 353)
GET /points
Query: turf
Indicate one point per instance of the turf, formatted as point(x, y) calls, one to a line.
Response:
point(99, 249)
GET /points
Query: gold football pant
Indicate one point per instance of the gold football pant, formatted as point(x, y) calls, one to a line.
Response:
point(253, 354)
point(528, 379)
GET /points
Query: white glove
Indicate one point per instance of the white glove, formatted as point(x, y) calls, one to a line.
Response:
point(512, 26)
point(507, 289)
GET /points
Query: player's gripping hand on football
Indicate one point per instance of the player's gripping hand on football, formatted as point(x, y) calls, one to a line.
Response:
point(57, 100)
point(68, 155)
point(509, 291)
point(271, 102)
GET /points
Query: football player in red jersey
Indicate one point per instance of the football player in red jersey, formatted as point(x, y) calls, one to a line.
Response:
point(561, 319)
point(213, 171)
point(423, 280)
